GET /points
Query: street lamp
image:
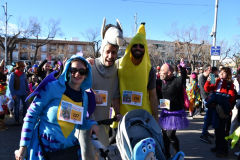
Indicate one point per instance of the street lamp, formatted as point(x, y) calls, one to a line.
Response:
point(6, 21)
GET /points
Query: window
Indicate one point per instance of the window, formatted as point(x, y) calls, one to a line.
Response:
point(52, 48)
point(61, 49)
point(33, 46)
point(24, 56)
point(79, 48)
point(43, 56)
point(16, 46)
point(24, 46)
point(70, 48)
point(15, 56)
point(44, 48)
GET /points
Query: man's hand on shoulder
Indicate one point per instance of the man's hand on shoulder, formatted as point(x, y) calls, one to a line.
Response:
point(90, 60)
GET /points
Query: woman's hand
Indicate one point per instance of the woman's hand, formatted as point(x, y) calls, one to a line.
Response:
point(209, 78)
point(21, 153)
point(94, 128)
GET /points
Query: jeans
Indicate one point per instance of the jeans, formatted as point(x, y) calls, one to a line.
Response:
point(220, 134)
point(205, 124)
point(17, 106)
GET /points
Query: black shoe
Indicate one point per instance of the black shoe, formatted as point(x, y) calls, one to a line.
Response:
point(210, 135)
point(215, 149)
point(221, 154)
point(205, 139)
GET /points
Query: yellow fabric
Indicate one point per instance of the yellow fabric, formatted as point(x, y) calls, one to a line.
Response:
point(134, 77)
point(66, 127)
point(234, 137)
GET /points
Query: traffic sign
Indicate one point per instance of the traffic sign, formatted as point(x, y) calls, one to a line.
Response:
point(215, 51)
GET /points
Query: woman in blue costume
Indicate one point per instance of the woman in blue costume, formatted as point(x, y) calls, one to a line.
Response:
point(46, 111)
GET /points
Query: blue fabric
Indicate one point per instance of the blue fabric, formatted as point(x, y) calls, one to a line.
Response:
point(17, 106)
point(212, 115)
point(23, 85)
point(45, 107)
point(205, 124)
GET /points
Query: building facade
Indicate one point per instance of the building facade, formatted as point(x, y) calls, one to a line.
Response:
point(58, 49)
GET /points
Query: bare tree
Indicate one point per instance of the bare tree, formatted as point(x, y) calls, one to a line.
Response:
point(15, 35)
point(49, 31)
point(191, 43)
point(235, 50)
point(91, 35)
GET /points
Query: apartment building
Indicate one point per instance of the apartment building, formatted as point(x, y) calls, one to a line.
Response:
point(58, 49)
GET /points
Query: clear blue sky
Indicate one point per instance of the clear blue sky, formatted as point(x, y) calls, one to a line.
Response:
point(79, 15)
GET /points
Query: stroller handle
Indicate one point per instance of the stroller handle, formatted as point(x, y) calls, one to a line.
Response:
point(107, 121)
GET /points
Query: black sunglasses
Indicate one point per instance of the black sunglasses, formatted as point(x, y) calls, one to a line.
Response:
point(80, 71)
point(140, 45)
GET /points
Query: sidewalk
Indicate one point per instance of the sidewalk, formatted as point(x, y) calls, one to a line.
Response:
point(195, 149)
point(189, 142)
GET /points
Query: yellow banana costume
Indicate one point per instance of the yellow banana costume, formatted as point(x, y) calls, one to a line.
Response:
point(235, 137)
point(134, 77)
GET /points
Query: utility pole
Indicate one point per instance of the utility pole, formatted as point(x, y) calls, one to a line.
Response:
point(6, 21)
point(214, 29)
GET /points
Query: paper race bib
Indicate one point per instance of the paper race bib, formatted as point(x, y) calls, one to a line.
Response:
point(104, 95)
point(164, 103)
point(132, 98)
point(71, 113)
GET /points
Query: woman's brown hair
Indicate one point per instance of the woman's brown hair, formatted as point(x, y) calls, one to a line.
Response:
point(228, 72)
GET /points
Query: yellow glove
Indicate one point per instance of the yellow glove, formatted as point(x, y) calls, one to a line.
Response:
point(234, 137)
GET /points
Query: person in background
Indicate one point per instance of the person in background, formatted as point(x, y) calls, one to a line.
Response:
point(174, 118)
point(158, 72)
point(44, 67)
point(197, 72)
point(224, 85)
point(204, 94)
point(3, 105)
point(193, 92)
point(18, 86)
point(175, 73)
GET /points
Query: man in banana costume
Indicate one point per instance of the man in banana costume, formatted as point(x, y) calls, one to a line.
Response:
point(137, 79)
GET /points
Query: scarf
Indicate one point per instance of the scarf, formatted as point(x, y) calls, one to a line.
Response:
point(18, 73)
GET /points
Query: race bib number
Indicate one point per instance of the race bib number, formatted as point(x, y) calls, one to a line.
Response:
point(132, 98)
point(104, 95)
point(164, 103)
point(71, 113)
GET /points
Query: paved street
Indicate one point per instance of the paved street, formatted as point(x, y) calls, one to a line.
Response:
point(189, 142)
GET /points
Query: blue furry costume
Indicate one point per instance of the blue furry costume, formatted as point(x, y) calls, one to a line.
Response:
point(55, 134)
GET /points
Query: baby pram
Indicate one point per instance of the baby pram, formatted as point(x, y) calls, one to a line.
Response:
point(135, 126)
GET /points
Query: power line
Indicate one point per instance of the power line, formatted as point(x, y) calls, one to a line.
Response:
point(198, 17)
point(192, 21)
point(179, 4)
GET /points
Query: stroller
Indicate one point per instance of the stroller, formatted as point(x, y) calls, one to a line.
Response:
point(135, 129)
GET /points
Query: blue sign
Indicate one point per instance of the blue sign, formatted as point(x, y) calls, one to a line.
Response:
point(215, 51)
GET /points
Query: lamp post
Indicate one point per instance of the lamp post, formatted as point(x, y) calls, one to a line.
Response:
point(214, 29)
point(6, 21)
